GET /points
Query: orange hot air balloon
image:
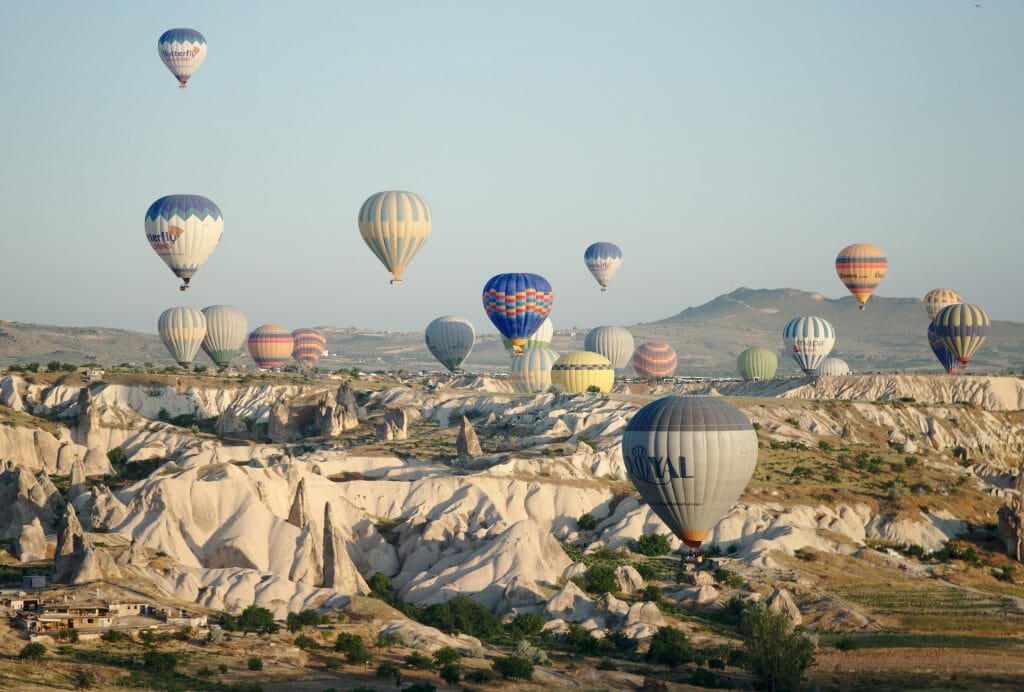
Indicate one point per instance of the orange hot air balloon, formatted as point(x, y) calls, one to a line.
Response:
point(308, 346)
point(270, 346)
point(861, 267)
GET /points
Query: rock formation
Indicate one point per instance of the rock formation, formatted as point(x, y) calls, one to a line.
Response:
point(339, 572)
point(71, 547)
point(782, 602)
point(1011, 521)
point(280, 425)
point(229, 423)
point(395, 425)
point(30, 545)
point(23, 498)
point(629, 580)
point(467, 444)
point(9, 394)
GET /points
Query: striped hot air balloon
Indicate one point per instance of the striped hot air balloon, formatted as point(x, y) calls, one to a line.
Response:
point(861, 267)
point(182, 51)
point(655, 360)
point(308, 346)
point(517, 305)
point(580, 370)
point(270, 345)
point(757, 363)
point(809, 339)
point(539, 339)
point(450, 339)
point(614, 343)
point(182, 330)
point(395, 225)
point(226, 329)
point(833, 367)
point(948, 360)
point(603, 260)
point(962, 329)
point(531, 372)
point(183, 230)
point(938, 298)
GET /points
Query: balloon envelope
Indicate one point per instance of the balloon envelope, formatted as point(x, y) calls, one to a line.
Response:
point(517, 305)
point(308, 346)
point(948, 360)
point(655, 360)
point(531, 372)
point(226, 329)
point(182, 51)
point(603, 260)
point(270, 345)
point(962, 329)
point(938, 298)
point(395, 225)
point(757, 363)
point(614, 343)
point(183, 230)
point(861, 267)
point(809, 339)
point(182, 330)
point(450, 339)
point(833, 367)
point(690, 457)
point(539, 339)
point(580, 370)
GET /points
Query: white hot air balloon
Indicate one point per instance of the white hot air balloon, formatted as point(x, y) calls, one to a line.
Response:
point(226, 331)
point(183, 230)
point(833, 367)
point(809, 340)
point(395, 225)
point(531, 372)
point(182, 330)
point(614, 343)
point(182, 52)
point(450, 339)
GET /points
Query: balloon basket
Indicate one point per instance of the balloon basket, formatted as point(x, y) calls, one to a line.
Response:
point(395, 282)
point(184, 287)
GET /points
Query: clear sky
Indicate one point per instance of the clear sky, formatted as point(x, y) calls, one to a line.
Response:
point(719, 144)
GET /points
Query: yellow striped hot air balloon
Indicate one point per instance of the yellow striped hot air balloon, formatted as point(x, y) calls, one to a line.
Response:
point(308, 346)
point(655, 360)
point(395, 225)
point(182, 330)
point(861, 267)
point(580, 370)
point(962, 329)
point(270, 345)
point(938, 298)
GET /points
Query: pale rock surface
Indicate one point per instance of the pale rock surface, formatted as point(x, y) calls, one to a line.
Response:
point(781, 601)
point(425, 638)
point(229, 423)
point(30, 545)
point(467, 444)
point(10, 392)
point(569, 604)
point(24, 498)
point(339, 572)
point(336, 414)
point(646, 613)
point(134, 555)
point(520, 593)
point(629, 580)
point(611, 608)
point(576, 569)
point(98, 507)
point(71, 547)
point(281, 425)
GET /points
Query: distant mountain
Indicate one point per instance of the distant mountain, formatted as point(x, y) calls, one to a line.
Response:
point(888, 335)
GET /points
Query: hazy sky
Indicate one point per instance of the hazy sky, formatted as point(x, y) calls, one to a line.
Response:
point(719, 144)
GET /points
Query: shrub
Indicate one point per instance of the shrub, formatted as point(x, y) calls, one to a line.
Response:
point(204, 672)
point(527, 624)
point(646, 570)
point(601, 579)
point(618, 641)
point(159, 662)
point(463, 614)
point(793, 422)
point(802, 472)
point(525, 649)
point(845, 644)
point(594, 389)
point(651, 592)
point(606, 664)
point(670, 646)
point(653, 545)
point(304, 642)
point(729, 578)
point(85, 679)
point(33, 651)
point(380, 586)
point(1007, 574)
point(419, 661)
point(777, 654)
point(513, 668)
point(389, 639)
point(702, 677)
point(451, 673)
point(587, 522)
point(805, 554)
point(387, 669)
point(257, 619)
point(446, 655)
point(305, 618)
point(117, 457)
point(716, 663)
point(254, 663)
point(581, 640)
point(53, 366)
point(222, 667)
point(481, 675)
point(825, 446)
point(418, 687)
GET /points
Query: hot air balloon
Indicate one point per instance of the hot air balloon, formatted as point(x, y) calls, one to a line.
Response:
point(938, 298)
point(948, 360)
point(962, 329)
point(614, 343)
point(539, 339)
point(757, 363)
point(395, 225)
point(690, 457)
point(182, 51)
point(182, 330)
point(308, 346)
point(833, 367)
point(809, 340)
point(270, 345)
point(517, 304)
point(184, 230)
point(531, 372)
point(450, 339)
point(861, 267)
point(580, 370)
point(603, 260)
point(655, 360)
point(226, 329)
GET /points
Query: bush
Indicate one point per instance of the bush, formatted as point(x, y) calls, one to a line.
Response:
point(777, 654)
point(420, 687)
point(387, 669)
point(446, 655)
point(652, 545)
point(793, 422)
point(222, 667)
point(304, 642)
point(587, 522)
point(53, 366)
point(305, 618)
point(257, 619)
point(825, 446)
point(33, 651)
point(513, 668)
point(419, 661)
point(527, 625)
point(525, 649)
point(670, 646)
point(594, 389)
point(729, 578)
point(84, 679)
point(845, 644)
point(618, 641)
point(117, 457)
point(159, 662)
point(386, 641)
point(463, 614)
point(254, 663)
point(380, 586)
point(581, 640)
point(204, 672)
point(482, 676)
point(1007, 574)
point(606, 664)
point(451, 673)
point(601, 579)
point(702, 677)
point(651, 592)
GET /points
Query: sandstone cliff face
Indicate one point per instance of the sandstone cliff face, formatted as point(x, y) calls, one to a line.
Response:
point(1011, 521)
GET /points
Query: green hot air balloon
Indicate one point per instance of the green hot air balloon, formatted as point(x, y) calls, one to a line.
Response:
point(226, 329)
point(757, 363)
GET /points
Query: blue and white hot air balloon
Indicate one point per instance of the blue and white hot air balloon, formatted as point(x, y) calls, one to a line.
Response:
point(183, 230)
point(603, 260)
point(809, 339)
point(517, 305)
point(182, 51)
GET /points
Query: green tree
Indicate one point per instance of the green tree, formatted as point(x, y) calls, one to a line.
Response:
point(451, 673)
point(581, 640)
point(32, 367)
point(670, 646)
point(513, 668)
point(527, 625)
point(380, 586)
point(354, 647)
point(618, 641)
point(305, 618)
point(117, 457)
point(305, 643)
point(777, 653)
point(601, 579)
point(257, 619)
point(446, 655)
point(419, 661)
point(33, 651)
point(53, 366)
point(159, 662)
point(587, 522)
point(387, 669)
point(84, 679)
point(652, 545)
point(463, 614)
